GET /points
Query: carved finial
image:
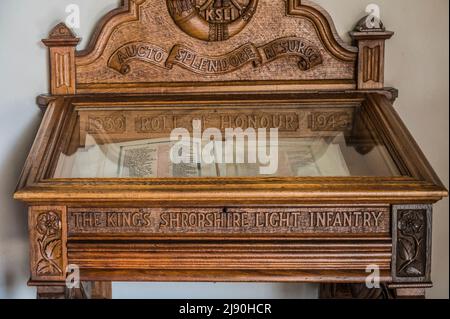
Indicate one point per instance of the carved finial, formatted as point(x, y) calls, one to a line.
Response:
point(61, 35)
point(370, 24)
point(61, 43)
point(61, 31)
point(370, 35)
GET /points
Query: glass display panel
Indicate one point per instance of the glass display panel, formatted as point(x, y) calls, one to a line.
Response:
point(149, 143)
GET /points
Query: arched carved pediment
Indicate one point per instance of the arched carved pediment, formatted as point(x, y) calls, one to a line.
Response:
point(170, 45)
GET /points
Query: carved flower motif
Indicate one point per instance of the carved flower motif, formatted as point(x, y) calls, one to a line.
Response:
point(48, 224)
point(411, 222)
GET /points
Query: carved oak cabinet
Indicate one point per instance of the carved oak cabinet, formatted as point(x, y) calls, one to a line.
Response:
point(350, 192)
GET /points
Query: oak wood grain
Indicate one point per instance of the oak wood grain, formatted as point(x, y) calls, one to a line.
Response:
point(278, 60)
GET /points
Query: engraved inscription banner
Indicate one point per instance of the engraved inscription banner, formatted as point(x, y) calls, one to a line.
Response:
point(145, 52)
point(285, 121)
point(106, 124)
point(309, 56)
point(234, 221)
point(189, 59)
point(159, 123)
point(330, 121)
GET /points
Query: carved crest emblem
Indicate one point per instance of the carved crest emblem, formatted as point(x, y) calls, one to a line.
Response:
point(212, 20)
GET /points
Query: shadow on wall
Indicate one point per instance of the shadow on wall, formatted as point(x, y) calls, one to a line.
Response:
point(14, 270)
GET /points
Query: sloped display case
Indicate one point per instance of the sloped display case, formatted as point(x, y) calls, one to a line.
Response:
point(139, 172)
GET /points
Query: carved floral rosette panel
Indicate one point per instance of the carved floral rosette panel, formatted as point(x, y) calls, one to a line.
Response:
point(47, 227)
point(412, 243)
point(154, 41)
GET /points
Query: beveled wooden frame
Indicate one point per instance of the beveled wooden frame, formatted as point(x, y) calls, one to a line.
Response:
point(419, 185)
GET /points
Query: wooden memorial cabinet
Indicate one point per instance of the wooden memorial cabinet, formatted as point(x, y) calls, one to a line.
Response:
point(351, 190)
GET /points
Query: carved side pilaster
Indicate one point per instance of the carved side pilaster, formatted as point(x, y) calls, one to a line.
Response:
point(59, 290)
point(51, 292)
point(412, 225)
point(62, 43)
point(371, 44)
point(48, 231)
